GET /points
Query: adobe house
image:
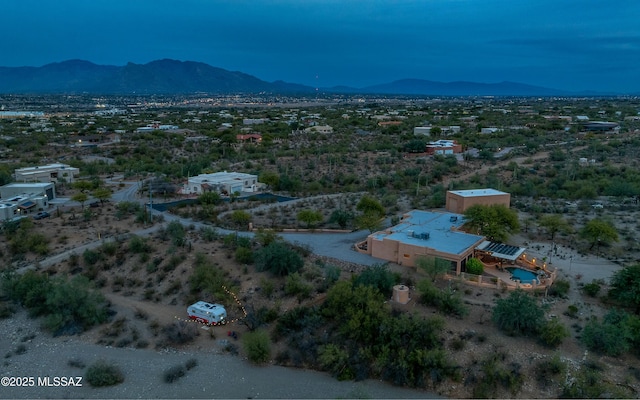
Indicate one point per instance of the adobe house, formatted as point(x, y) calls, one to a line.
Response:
point(424, 234)
point(458, 201)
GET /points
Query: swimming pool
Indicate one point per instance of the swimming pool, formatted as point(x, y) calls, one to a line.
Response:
point(518, 274)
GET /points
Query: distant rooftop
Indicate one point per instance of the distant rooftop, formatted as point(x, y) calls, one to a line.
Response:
point(477, 192)
point(436, 230)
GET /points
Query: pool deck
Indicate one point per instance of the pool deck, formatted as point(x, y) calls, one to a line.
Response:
point(505, 276)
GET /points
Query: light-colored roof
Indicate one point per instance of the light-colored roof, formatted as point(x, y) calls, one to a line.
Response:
point(220, 177)
point(477, 192)
point(501, 250)
point(441, 228)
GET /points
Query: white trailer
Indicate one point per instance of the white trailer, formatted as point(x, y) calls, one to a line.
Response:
point(207, 313)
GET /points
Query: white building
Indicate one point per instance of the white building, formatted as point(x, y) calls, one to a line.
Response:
point(225, 183)
point(20, 199)
point(422, 130)
point(10, 190)
point(47, 173)
point(319, 129)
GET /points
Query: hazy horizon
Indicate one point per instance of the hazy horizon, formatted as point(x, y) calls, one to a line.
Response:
point(570, 45)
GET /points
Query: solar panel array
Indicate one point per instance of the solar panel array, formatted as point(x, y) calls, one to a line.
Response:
point(502, 248)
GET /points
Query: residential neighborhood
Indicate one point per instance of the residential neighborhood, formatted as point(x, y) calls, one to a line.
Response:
point(434, 214)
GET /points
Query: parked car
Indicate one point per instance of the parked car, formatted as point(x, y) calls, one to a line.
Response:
point(41, 215)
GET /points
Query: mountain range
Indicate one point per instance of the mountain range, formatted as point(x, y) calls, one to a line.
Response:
point(186, 77)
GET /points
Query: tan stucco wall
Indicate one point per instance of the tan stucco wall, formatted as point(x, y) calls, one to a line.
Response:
point(459, 204)
point(406, 254)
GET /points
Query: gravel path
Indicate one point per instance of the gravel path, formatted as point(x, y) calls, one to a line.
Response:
point(217, 375)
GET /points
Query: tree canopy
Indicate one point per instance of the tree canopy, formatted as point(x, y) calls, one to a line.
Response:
point(496, 221)
point(553, 224)
point(625, 286)
point(599, 231)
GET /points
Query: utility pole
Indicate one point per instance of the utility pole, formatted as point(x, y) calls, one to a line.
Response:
point(150, 205)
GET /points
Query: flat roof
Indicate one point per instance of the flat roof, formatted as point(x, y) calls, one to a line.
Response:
point(435, 230)
point(477, 192)
point(46, 167)
point(28, 184)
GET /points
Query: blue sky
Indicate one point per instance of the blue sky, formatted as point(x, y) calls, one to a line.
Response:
point(564, 44)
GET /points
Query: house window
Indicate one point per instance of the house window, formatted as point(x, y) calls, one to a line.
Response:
point(406, 255)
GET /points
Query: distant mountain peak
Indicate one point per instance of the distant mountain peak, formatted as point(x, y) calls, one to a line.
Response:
point(169, 76)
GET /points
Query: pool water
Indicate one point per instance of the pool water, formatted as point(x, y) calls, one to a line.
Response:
point(518, 274)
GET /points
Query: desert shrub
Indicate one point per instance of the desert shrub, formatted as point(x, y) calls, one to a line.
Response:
point(267, 287)
point(173, 262)
point(591, 289)
point(548, 369)
point(208, 234)
point(616, 334)
point(207, 279)
point(589, 383)
point(295, 286)
point(335, 359)
point(176, 233)
point(331, 274)
point(138, 245)
point(560, 288)
point(6, 310)
point(380, 277)
point(451, 303)
point(102, 373)
point(109, 248)
point(429, 293)
point(180, 332)
point(518, 314)
point(279, 259)
point(553, 332)
point(496, 375)
point(244, 255)
point(257, 346)
point(447, 300)
point(90, 257)
point(69, 305)
point(475, 266)
point(572, 311)
point(174, 373)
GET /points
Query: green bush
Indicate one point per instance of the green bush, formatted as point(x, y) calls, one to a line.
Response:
point(257, 346)
point(518, 314)
point(244, 255)
point(70, 306)
point(91, 257)
point(475, 266)
point(560, 288)
point(139, 245)
point(615, 335)
point(447, 301)
point(379, 277)
point(279, 259)
point(553, 332)
point(591, 289)
point(294, 285)
point(208, 279)
point(102, 373)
